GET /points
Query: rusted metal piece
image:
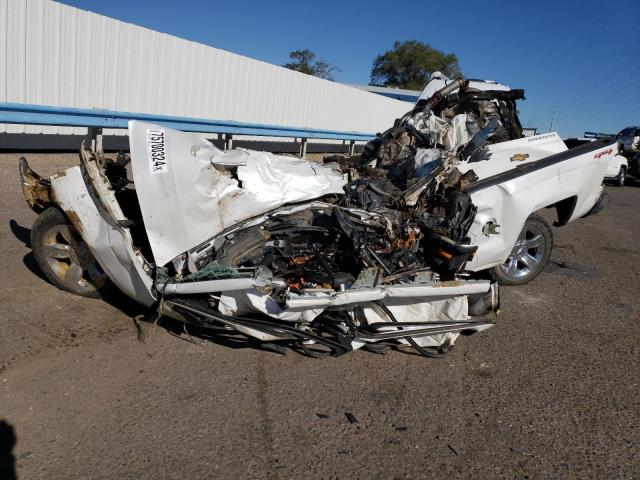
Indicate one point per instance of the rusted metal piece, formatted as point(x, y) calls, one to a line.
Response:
point(75, 220)
point(36, 190)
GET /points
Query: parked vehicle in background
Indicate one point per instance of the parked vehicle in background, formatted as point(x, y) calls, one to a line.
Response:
point(617, 170)
point(633, 161)
point(629, 140)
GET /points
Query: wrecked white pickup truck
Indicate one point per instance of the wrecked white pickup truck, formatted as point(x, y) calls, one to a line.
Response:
point(359, 252)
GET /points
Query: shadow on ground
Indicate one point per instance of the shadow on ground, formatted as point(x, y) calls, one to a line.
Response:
point(632, 182)
point(7, 458)
point(23, 234)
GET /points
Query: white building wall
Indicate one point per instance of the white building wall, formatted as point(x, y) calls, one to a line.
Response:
point(54, 54)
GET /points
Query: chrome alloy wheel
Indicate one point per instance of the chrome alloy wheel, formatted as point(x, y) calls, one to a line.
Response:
point(527, 253)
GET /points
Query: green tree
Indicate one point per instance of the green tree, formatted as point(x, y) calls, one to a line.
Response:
point(410, 64)
point(304, 61)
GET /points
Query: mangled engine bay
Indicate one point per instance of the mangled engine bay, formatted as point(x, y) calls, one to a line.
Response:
point(360, 251)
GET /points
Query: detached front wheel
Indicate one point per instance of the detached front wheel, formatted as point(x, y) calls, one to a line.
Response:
point(529, 255)
point(63, 256)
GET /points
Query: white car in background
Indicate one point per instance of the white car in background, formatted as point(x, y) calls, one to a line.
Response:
point(617, 169)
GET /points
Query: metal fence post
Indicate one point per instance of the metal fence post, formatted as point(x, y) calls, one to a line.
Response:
point(228, 141)
point(94, 135)
point(352, 147)
point(303, 148)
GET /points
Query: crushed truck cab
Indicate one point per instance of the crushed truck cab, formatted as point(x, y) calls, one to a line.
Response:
point(364, 251)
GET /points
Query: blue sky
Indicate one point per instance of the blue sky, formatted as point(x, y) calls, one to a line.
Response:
point(580, 59)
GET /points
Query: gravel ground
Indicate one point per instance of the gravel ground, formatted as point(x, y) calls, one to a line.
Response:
point(550, 392)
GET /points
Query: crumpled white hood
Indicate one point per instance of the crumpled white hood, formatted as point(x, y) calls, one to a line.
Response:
point(188, 194)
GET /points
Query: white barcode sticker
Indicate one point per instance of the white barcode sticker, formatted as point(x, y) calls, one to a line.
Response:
point(157, 150)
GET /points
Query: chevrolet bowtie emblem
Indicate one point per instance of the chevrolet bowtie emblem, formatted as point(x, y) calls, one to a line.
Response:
point(519, 157)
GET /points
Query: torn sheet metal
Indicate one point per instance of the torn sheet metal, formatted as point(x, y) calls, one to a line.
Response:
point(404, 309)
point(188, 189)
point(408, 310)
point(308, 304)
point(273, 180)
point(110, 244)
point(254, 301)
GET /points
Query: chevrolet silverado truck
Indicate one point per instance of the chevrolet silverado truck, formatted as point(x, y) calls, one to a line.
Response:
point(367, 251)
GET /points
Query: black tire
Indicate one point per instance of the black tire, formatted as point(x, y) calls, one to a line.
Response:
point(529, 255)
point(622, 176)
point(64, 258)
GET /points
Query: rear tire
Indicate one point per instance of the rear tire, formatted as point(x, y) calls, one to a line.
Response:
point(529, 255)
point(64, 257)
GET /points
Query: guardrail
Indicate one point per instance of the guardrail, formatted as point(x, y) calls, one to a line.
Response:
point(27, 114)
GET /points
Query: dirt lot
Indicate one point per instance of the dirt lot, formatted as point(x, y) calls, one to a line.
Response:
point(551, 392)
